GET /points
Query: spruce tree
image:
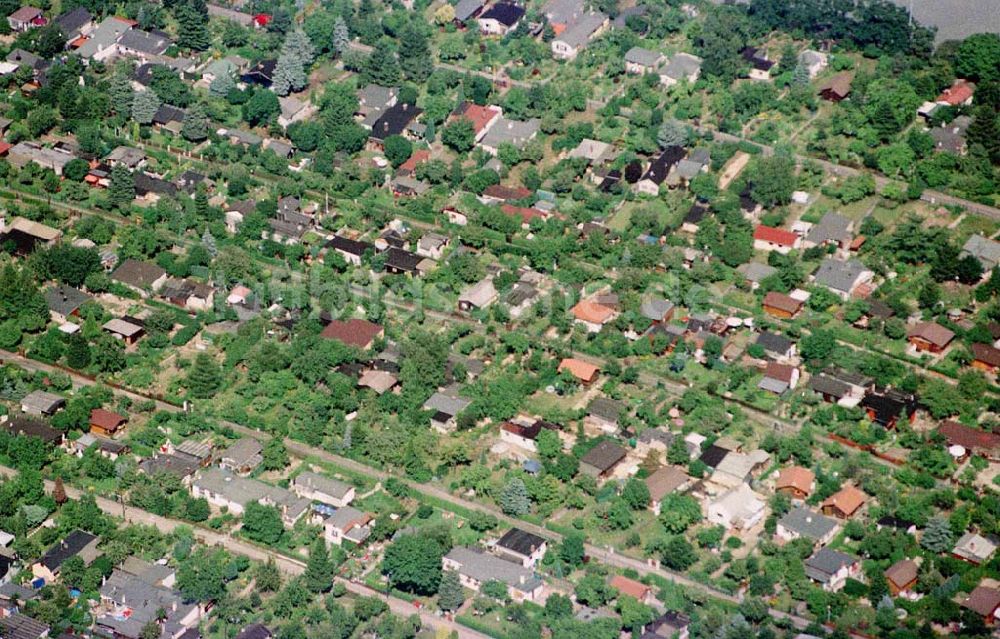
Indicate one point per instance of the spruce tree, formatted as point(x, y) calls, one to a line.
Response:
point(319, 568)
point(196, 124)
point(341, 37)
point(382, 67)
point(937, 536)
point(800, 76)
point(78, 352)
point(672, 133)
point(208, 241)
point(144, 106)
point(204, 378)
point(451, 595)
point(201, 209)
point(121, 94)
point(514, 498)
point(222, 85)
point(985, 130)
point(297, 54)
point(192, 26)
point(300, 43)
point(121, 191)
point(415, 54)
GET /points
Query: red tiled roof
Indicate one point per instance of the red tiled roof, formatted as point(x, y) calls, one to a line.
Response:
point(4, 147)
point(630, 587)
point(958, 93)
point(480, 116)
point(353, 332)
point(419, 157)
point(525, 214)
point(968, 437)
point(780, 237)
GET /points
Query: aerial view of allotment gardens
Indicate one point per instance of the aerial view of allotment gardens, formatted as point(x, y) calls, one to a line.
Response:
point(498, 319)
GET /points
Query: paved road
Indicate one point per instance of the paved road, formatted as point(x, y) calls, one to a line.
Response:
point(288, 565)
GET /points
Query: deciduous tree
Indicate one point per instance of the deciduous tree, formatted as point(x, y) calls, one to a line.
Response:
point(262, 523)
point(413, 563)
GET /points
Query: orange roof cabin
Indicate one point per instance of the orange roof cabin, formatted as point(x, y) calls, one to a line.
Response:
point(105, 423)
point(593, 315)
point(844, 503)
point(583, 371)
point(780, 305)
point(795, 482)
point(632, 588)
point(930, 337)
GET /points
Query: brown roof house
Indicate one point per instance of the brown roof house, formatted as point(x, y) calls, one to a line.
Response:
point(930, 337)
point(795, 482)
point(973, 440)
point(142, 277)
point(524, 431)
point(985, 357)
point(354, 332)
point(984, 601)
point(902, 577)
point(106, 423)
point(33, 428)
point(844, 503)
point(781, 306)
point(779, 378)
point(602, 459)
point(836, 88)
point(664, 481)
